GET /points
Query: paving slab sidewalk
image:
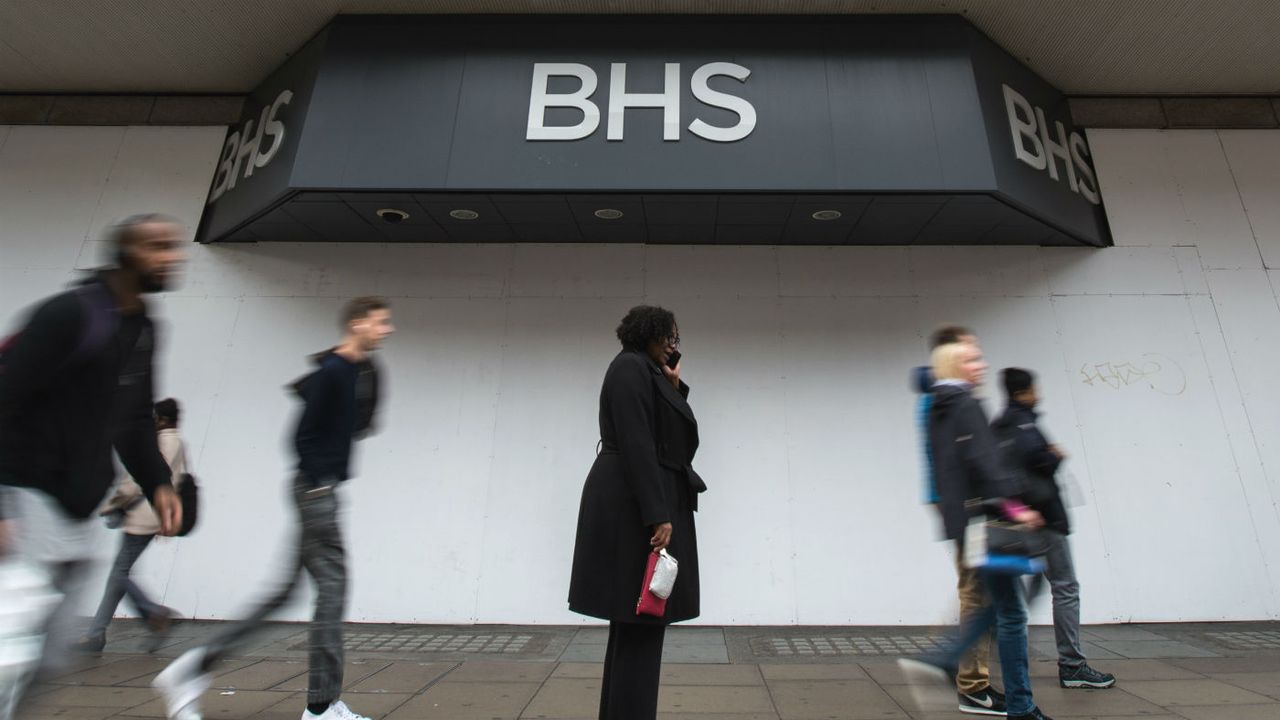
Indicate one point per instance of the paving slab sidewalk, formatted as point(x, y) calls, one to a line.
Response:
point(410, 672)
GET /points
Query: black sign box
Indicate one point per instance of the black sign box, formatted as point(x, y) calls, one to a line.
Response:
point(665, 129)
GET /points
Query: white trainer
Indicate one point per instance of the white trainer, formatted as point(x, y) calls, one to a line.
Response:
point(181, 685)
point(337, 711)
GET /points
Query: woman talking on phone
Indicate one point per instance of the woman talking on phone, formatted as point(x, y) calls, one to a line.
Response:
point(639, 498)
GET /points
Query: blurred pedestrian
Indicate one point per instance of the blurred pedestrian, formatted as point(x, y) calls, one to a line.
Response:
point(639, 498)
point(140, 524)
point(76, 385)
point(973, 675)
point(340, 399)
point(970, 481)
point(1036, 461)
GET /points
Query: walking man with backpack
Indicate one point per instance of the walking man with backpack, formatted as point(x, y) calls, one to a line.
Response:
point(1034, 461)
point(76, 384)
point(339, 403)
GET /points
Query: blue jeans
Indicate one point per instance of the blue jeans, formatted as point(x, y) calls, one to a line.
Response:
point(120, 585)
point(1007, 613)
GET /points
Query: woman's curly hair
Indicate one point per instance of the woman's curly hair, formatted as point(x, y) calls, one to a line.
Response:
point(643, 325)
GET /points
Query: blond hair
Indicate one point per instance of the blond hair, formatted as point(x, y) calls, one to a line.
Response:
point(947, 359)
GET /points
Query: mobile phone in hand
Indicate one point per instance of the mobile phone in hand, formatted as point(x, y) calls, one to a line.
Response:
point(673, 359)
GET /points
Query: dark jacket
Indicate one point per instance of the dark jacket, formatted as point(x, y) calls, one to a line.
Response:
point(1038, 465)
point(76, 383)
point(642, 476)
point(965, 465)
point(340, 400)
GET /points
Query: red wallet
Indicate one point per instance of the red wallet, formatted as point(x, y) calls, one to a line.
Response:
point(650, 604)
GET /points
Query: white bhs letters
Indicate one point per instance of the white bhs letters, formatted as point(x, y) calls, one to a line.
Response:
point(619, 100)
point(245, 146)
point(1034, 145)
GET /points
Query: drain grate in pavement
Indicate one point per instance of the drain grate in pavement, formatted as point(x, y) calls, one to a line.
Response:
point(1264, 640)
point(836, 645)
point(444, 642)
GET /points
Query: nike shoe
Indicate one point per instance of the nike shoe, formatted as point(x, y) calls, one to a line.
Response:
point(1084, 677)
point(1035, 714)
point(983, 702)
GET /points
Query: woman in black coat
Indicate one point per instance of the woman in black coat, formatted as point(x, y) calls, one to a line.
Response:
point(639, 497)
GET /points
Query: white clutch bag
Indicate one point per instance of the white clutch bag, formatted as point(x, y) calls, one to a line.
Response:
point(664, 575)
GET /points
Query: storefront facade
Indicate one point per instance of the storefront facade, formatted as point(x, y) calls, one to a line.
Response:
point(1131, 268)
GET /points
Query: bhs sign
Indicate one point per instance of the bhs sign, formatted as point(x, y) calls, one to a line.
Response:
point(541, 98)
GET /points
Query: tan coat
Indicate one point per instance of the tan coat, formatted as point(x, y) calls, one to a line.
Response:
point(140, 519)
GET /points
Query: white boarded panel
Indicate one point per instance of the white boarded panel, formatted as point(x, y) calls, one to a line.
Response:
point(544, 442)
point(1192, 269)
point(854, 459)
point(735, 364)
point(331, 270)
point(1246, 307)
point(1246, 416)
point(1002, 271)
point(1254, 157)
point(581, 270)
point(844, 271)
point(157, 170)
point(1118, 271)
point(418, 503)
point(1164, 483)
point(51, 182)
point(1173, 187)
point(442, 271)
point(691, 271)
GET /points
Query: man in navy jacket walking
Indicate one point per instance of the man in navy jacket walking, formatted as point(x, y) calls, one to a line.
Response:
point(339, 403)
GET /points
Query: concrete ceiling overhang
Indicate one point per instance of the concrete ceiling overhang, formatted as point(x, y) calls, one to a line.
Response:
point(1135, 47)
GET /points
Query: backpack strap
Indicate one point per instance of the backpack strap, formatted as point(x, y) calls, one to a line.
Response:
point(100, 320)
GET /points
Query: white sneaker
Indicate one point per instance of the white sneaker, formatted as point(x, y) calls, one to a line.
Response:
point(337, 711)
point(181, 685)
point(930, 686)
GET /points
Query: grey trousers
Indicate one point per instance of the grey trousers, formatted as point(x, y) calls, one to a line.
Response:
point(1061, 574)
point(321, 554)
point(61, 547)
point(120, 585)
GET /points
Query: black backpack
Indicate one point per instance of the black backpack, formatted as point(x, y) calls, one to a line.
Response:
point(100, 325)
point(189, 495)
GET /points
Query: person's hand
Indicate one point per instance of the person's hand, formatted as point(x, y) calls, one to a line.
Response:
point(1028, 517)
point(169, 509)
point(673, 376)
point(1057, 452)
point(661, 536)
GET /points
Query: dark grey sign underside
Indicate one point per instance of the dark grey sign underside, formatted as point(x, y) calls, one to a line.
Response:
point(869, 131)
